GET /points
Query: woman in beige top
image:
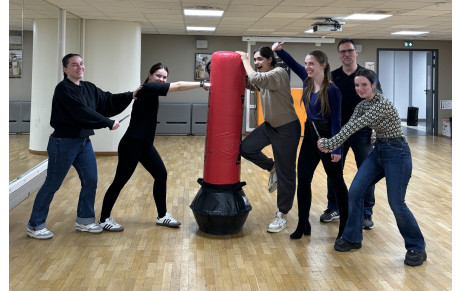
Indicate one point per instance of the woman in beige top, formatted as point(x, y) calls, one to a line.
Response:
point(281, 129)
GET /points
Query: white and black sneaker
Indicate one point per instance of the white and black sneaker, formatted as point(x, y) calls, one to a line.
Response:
point(111, 225)
point(329, 215)
point(168, 221)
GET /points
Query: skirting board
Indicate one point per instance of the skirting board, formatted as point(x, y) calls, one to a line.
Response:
point(28, 183)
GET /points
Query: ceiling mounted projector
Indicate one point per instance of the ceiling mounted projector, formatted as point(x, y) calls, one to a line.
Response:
point(328, 24)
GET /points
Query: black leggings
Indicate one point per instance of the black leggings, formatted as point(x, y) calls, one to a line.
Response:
point(309, 158)
point(130, 152)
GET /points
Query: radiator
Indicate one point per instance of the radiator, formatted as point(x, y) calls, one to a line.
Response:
point(199, 118)
point(27, 183)
point(174, 119)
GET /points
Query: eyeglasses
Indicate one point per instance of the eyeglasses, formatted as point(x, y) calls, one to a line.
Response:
point(346, 51)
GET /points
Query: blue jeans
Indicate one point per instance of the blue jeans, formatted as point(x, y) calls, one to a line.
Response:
point(360, 143)
point(393, 161)
point(63, 153)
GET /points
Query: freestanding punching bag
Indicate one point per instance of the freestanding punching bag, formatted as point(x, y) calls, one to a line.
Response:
point(220, 206)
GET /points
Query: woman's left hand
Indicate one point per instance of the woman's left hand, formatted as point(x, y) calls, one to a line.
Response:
point(335, 158)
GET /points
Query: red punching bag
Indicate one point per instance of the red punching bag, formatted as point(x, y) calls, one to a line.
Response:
point(220, 206)
point(225, 105)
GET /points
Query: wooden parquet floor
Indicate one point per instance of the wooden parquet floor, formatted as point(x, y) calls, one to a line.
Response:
point(149, 257)
point(20, 158)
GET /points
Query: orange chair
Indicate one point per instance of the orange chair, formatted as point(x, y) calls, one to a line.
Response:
point(298, 106)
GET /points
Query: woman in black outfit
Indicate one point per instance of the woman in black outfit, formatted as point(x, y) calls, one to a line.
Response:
point(137, 146)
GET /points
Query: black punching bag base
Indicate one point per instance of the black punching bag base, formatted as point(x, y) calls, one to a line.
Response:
point(220, 209)
point(220, 225)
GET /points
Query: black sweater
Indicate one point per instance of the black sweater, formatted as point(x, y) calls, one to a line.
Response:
point(143, 122)
point(350, 98)
point(78, 109)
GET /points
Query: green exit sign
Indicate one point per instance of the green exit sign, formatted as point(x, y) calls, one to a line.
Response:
point(408, 43)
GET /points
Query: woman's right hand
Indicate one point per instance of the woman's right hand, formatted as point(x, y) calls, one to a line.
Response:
point(244, 56)
point(206, 86)
point(277, 46)
point(319, 143)
point(135, 92)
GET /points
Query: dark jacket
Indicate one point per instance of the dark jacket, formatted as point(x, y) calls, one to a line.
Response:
point(78, 109)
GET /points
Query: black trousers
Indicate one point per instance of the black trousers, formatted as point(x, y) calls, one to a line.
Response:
point(285, 141)
point(309, 157)
point(130, 152)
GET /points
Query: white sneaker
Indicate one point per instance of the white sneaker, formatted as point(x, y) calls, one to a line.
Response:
point(110, 225)
point(279, 223)
point(39, 234)
point(168, 220)
point(91, 228)
point(272, 181)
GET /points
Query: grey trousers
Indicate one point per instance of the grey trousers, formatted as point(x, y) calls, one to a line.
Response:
point(285, 141)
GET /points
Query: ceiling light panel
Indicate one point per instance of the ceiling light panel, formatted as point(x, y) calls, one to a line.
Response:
point(204, 13)
point(407, 32)
point(200, 28)
point(364, 16)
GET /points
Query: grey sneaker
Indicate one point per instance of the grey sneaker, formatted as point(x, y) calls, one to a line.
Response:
point(110, 225)
point(168, 221)
point(279, 223)
point(91, 228)
point(329, 215)
point(367, 222)
point(272, 181)
point(39, 234)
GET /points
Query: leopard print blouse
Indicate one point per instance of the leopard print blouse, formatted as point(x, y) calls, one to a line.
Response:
point(379, 114)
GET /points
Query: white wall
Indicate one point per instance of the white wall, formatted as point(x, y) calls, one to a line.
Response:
point(112, 54)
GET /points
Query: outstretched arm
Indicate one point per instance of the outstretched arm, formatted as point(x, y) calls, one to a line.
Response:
point(184, 86)
point(296, 67)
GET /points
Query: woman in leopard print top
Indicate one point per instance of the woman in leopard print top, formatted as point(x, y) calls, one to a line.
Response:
point(378, 113)
point(390, 158)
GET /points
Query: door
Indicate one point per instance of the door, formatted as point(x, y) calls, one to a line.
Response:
point(431, 94)
point(409, 78)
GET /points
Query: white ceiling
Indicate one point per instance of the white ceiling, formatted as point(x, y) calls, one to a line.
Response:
point(288, 18)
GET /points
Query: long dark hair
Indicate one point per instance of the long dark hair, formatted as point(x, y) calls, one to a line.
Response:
point(154, 68)
point(65, 61)
point(267, 53)
point(321, 57)
point(371, 76)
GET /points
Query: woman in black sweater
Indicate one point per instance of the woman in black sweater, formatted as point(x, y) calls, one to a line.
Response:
point(137, 146)
point(78, 107)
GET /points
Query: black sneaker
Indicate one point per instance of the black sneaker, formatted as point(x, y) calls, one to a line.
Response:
point(342, 245)
point(367, 222)
point(329, 215)
point(414, 258)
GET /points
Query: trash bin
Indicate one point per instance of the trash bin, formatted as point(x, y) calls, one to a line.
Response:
point(412, 116)
point(447, 127)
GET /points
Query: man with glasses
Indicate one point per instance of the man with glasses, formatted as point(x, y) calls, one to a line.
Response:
point(359, 142)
